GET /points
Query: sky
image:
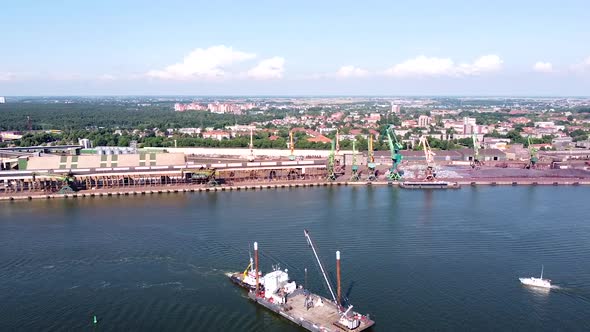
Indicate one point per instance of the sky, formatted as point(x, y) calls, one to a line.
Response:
point(174, 47)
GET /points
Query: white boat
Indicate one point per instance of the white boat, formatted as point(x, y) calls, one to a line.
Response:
point(536, 282)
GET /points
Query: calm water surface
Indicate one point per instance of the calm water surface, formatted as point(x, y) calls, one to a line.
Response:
point(414, 260)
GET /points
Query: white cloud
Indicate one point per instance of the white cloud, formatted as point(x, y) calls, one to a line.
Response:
point(432, 66)
point(271, 68)
point(7, 76)
point(582, 66)
point(543, 67)
point(351, 71)
point(203, 63)
point(107, 77)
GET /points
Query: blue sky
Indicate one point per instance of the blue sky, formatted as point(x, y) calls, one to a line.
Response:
point(427, 47)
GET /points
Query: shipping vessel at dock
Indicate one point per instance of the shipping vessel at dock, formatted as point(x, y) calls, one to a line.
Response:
point(297, 304)
point(429, 185)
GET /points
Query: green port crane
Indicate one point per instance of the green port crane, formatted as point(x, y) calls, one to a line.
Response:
point(371, 166)
point(331, 162)
point(476, 163)
point(68, 181)
point(355, 168)
point(201, 175)
point(533, 159)
point(430, 172)
point(395, 174)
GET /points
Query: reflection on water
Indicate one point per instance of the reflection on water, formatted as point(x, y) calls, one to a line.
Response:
point(414, 259)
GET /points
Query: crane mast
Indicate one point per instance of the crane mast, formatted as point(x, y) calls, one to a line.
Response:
point(476, 163)
point(291, 146)
point(331, 162)
point(251, 146)
point(430, 173)
point(371, 160)
point(396, 157)
point(532, 155)
point(310, 242)
point(355, 168)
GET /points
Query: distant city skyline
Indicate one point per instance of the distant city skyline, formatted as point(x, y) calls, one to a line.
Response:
point(307, 48)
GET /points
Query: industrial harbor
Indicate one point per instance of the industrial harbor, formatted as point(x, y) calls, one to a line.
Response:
point(43, 172)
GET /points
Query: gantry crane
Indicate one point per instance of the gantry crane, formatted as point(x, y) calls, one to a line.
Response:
point(476, 163)
point(532, 155)
point(355, 168)
point(430, 172)
point(291, 146)
point(371, 167)
point(395, 174)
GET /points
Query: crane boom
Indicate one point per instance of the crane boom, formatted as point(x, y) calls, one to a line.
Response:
point(320, 264)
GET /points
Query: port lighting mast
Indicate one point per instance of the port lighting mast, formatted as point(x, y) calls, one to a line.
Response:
point(396, 158)
point(532, 155)
point(371, 167)
point(355, 168)
point(429, 155)
point(476, 163)
point(291, 146)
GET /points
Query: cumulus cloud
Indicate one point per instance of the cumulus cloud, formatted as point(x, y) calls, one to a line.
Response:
point(351, 71)
point(107, 77)
point(271, 68)
point(543, 67)
point(433, 66)
point(7, 76)
point(582, 66)
point(203, 63)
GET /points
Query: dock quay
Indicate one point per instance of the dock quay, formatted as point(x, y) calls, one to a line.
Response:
point(156, 190)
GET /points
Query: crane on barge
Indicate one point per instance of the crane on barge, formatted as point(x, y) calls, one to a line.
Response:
point(396, 158)
point(347, 319)
point(430, 172)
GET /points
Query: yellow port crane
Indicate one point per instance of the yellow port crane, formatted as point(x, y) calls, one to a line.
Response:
point(291, 146)
point(430, 172)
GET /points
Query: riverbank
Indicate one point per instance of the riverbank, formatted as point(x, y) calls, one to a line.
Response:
point(253, 186)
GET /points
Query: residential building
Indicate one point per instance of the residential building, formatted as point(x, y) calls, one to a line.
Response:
point(85, 143)
point(216, 134)
point(424, 121)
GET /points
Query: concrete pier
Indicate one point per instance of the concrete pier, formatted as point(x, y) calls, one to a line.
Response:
point(135, 192)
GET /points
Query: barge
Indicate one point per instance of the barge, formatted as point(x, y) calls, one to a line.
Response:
point(429, 185)
point(313, 312)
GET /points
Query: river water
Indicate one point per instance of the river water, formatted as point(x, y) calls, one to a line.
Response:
point(414, 260)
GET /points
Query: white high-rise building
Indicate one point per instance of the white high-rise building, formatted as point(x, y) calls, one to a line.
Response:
point(395, 108)
point(424, 121)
